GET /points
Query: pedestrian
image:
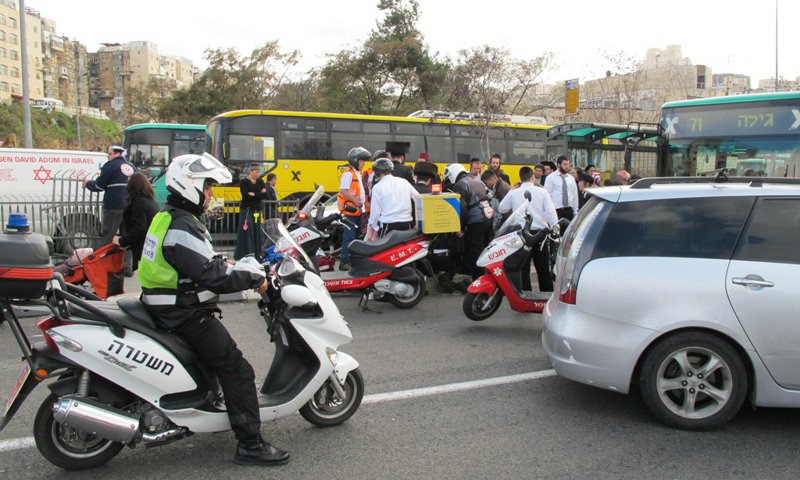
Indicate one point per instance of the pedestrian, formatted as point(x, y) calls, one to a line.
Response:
point(622, 177)
point(391, 203)
point(592, 170)
point(543, 215)
point(401, 170)
point(425, 174)
point(113, 180)
point(254, 191)
point(549, 167)
point(352, 195)
point(585, 182)
point(494, 165)
point(495, 184)
point(538, 174)
point(425, 157)
point(475, 168)
point(182, 277)
point(474, 222)
point(139, 211)
point(563, 190)
point(271, 197)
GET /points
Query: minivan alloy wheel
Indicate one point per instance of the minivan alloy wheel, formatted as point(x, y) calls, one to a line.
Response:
point(693, 380)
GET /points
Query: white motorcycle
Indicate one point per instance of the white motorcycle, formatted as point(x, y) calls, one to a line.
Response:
point(120, 381)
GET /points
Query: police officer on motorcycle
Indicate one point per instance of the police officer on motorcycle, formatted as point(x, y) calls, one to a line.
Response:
point(181, 277)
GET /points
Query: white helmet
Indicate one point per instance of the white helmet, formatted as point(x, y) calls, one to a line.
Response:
point(452, 171)
point(187, 174)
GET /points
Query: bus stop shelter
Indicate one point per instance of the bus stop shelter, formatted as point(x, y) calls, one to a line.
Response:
point(605, 146)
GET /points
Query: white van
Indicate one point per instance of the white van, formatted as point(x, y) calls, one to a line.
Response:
point(30, 171)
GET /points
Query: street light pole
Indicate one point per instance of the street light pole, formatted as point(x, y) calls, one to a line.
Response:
point(78, 84)
point(776, 45)
point(26, 94)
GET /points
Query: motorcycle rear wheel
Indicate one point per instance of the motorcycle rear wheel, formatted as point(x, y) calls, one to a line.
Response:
point(326, 409)
point(67, 447)
point(414, 298)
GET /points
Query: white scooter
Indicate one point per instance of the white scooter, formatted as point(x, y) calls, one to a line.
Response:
point(121, 381)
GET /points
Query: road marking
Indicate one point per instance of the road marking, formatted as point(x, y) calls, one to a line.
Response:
point(16, 444)
point(455, 387)
point(28, 442)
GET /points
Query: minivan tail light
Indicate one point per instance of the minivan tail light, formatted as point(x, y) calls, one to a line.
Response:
point(570, 296)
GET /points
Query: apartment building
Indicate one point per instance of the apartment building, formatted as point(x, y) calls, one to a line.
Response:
point(65, 69)
point(10, 51)
point(110, 75)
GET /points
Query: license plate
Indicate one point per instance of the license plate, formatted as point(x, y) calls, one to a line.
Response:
point(24, 371)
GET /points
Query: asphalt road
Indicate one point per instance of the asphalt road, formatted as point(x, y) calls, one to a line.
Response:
point(544, 427)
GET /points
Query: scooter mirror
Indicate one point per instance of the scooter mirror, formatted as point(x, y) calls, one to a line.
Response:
point(527, 195)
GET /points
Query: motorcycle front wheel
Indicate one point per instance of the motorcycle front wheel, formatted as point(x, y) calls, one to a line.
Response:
point(480, 306)
point(326, 408)
point(67, 447)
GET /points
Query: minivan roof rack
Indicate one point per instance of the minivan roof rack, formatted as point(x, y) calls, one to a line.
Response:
point(720, 176)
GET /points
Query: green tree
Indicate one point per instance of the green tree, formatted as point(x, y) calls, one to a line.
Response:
point(143, 101)
point(231, 82)
point(393, 72)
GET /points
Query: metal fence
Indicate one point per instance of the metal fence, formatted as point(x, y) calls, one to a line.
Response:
point(72, 215)
point(69, 213)
point(225, 227)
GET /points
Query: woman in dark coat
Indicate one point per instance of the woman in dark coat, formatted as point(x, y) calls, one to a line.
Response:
point(254, 191)
point(140, 208)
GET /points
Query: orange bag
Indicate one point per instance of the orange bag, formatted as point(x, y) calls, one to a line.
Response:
point(104, 270)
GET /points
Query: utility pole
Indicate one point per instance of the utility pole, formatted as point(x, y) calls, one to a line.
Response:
point(776, 45)
point(26, 94)
point(78, 75)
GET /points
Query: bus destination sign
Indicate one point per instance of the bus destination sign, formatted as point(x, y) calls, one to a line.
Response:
point(691, 122)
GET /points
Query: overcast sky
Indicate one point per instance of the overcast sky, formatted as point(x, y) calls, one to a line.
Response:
point(727, 35)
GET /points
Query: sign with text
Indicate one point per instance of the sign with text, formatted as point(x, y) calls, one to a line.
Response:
point(572, 98)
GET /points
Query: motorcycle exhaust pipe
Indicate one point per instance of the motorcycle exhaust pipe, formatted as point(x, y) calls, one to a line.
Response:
point(96, 418)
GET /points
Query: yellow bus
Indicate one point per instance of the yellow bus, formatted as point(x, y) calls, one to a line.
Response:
point(304, 148)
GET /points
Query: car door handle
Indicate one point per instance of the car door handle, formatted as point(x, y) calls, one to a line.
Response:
point(751, 282)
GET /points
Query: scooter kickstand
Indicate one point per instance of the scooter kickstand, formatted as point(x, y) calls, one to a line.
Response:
point(364, 300)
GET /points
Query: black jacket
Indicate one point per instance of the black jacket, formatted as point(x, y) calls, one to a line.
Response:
point(113, 180)
point(202, 273)
point(135, 221)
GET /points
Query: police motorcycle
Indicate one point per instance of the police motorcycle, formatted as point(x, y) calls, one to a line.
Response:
point(390, 269)
point(118, 380)
point(503, 259)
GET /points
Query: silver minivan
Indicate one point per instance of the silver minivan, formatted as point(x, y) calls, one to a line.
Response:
point(686, 290)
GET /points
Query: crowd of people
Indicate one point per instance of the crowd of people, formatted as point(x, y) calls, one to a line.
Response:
point(380, 199)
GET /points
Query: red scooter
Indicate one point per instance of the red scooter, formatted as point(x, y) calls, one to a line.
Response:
point(390, 268)
point(503, 260)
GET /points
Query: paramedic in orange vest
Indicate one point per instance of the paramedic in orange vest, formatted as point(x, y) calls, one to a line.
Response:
point(351, 193)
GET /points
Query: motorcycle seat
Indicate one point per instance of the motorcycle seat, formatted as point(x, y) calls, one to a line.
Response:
point(393, 238)
point(131, 314)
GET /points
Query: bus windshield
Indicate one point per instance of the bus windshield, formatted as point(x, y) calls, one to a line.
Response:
point(750, 135)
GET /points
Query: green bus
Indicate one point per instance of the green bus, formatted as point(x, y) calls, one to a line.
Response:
point(750, 135)
point(151, 146)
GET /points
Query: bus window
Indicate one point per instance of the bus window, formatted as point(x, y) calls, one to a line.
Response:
point(304, 139)
point(523, 152)
point(376, 127)
point(407, 128)
point(345, 126)
point(416, 144)
point(250, 148)
point(341, 143)
point(160, 155)
point(440, 148)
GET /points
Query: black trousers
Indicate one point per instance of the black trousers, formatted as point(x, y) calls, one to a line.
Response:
point(541, 261)
point(565, 212)
point(474, 243)
point(212, 342)
point(399, 226)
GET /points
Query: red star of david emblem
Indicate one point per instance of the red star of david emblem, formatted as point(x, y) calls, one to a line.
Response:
point(42, 174)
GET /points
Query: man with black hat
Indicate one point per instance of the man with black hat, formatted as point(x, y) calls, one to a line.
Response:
point(401, 170)
point(425, 172)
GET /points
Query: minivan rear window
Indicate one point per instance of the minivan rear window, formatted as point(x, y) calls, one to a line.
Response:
point(685, 227)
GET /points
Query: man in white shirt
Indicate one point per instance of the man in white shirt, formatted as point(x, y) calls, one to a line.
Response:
point(390, 204)
point(543, 215)
point(563, 189)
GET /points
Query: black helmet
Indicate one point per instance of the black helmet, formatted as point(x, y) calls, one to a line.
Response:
point(382, 166)
point(356, 154)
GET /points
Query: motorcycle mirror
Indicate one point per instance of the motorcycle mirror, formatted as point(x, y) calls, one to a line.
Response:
point(350, 208)
point(527, 195)
point(563, 224)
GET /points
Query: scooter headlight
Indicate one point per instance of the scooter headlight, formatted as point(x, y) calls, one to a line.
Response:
point(513, 242)
point(290, 268)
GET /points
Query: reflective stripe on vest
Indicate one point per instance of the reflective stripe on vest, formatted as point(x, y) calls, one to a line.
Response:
point(154, 271)
point(355, 190)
